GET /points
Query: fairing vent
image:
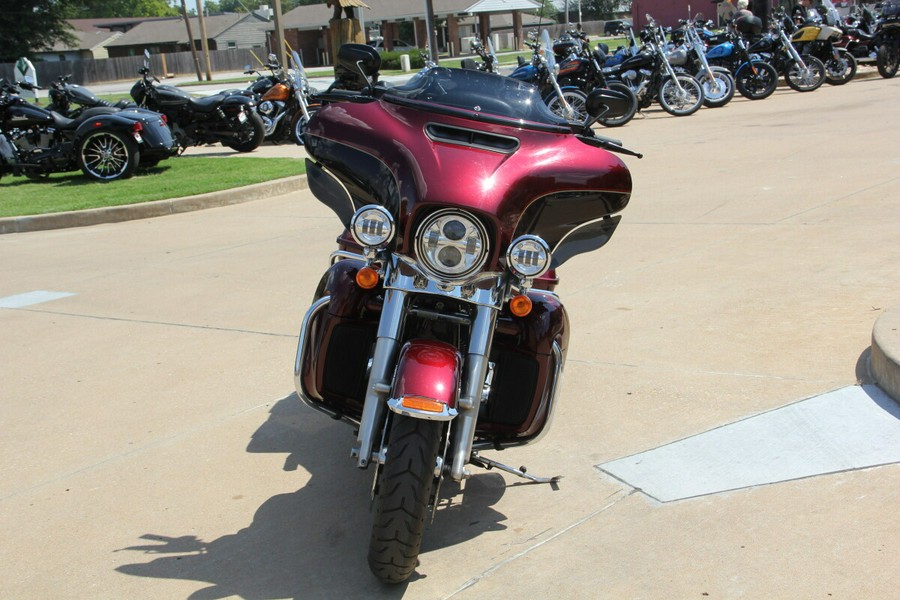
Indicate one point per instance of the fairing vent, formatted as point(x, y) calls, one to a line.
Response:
point(471, 138)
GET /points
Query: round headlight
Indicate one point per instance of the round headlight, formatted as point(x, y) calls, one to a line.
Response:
point(529, 256)
point(451, 244)
point(372, 226)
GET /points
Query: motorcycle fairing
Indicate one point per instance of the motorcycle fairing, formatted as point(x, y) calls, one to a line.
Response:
point(410, 173)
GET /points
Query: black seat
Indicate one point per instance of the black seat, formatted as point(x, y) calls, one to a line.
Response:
point(207, 104)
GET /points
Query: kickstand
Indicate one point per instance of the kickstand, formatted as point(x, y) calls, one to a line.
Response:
point(488, 464)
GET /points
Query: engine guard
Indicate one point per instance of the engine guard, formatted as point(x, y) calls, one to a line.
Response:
point(426, 382)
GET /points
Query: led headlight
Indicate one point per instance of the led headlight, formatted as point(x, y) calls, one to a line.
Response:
point(372, 226)
point(528, 256)
point(452, 244)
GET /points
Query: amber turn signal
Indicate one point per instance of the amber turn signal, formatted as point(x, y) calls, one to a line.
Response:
point(520, 305)
point(367, 278)
point(422, 403)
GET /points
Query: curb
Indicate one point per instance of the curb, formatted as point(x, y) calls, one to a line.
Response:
point(884, 361)
point(156, 208)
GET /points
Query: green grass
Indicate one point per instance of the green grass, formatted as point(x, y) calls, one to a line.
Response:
point(173, 178)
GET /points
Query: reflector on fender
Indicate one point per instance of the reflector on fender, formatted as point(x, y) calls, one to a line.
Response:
point(367, 278)
point(520, 305)
point(422, 403)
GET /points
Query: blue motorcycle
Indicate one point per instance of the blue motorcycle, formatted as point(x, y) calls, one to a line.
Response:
point(754, 78)
point(567, 102)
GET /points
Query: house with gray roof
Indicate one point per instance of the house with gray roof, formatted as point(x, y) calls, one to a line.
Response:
point(230, 30)
point(307, 28)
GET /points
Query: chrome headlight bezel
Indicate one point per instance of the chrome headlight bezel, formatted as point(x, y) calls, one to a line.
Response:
point(379, 222)
point(470, 243)
point(528, 256)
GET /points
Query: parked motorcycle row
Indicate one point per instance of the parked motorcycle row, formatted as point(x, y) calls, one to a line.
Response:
point(78, 130)
point(691, 66)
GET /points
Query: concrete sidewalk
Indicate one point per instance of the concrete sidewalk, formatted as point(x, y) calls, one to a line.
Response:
point(152, 446)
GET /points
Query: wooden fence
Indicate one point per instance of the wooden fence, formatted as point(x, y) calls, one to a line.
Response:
point(86, 72)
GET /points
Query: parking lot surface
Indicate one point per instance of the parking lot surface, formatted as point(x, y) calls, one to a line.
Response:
point(153, 447)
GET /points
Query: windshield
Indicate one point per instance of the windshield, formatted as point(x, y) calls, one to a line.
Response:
point(469, 91)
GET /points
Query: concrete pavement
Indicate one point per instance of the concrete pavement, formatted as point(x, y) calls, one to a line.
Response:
point(152, 447)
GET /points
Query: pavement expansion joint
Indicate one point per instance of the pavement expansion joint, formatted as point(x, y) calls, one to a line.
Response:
point(848, 429)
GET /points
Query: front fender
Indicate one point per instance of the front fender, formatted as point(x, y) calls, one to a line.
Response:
point(426, 381)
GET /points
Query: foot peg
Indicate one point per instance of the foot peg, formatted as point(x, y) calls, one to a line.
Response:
point(488, 464)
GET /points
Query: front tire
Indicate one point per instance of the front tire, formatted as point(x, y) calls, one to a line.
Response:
point(108, 155)
point(404, 493)
point(684, 102)
point(249, 134)
point(576, 99)
point(717, 90)
point(299, 124)
point(805, 79)
point(840, 70)
point(619, 121)
point(888, 59)
point(758, 85)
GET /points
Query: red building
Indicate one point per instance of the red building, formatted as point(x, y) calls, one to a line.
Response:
point(669, 12)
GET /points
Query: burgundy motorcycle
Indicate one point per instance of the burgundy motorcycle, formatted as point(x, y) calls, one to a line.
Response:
point(436, 332)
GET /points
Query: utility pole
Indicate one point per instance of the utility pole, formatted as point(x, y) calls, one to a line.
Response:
point(187, 23)
point(204, 43)
point(279, 49)
point(430, 31)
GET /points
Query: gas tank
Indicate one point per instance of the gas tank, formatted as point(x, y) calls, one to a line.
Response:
point(571, 67)
point(637, 62)
point(810, 33)
point(677, 57)
point(525, 73)
point(26, 115)
point(83, 96)
point(767, 43)
point(278, 92)
point(171, 96)
point(721, 51)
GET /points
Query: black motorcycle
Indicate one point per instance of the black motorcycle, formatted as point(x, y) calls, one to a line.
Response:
point(755, 79)
point(651, 77)
point(71, 100)
point(887, 40)
point(105, 143)
point(229, 119)
point(582, 67)
point(802, 73)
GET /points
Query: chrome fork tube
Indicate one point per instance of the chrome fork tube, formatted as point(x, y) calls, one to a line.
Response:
point(470, 398)
point(389, 329)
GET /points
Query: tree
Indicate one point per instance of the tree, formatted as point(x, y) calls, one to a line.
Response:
point(603, 10)
point(89, 9)
point(29, 26)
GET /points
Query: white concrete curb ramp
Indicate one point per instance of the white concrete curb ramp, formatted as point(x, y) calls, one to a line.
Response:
point(847, 429)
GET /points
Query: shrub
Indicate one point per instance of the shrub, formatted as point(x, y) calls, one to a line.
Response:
point(391, 60)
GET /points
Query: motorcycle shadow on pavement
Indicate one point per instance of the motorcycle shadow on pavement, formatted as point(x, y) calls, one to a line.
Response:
point(311, 543)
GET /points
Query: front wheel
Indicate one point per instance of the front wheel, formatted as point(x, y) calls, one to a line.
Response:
point(681, 102)
point(107, 155)
point(619, 121)
point(805, 79)
point(718, 90)
point(576, 100)
point(298, 125)
point(888, 59)
point(756, 80)
point(404, 493)
point(840, 70)
point(249, 134)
